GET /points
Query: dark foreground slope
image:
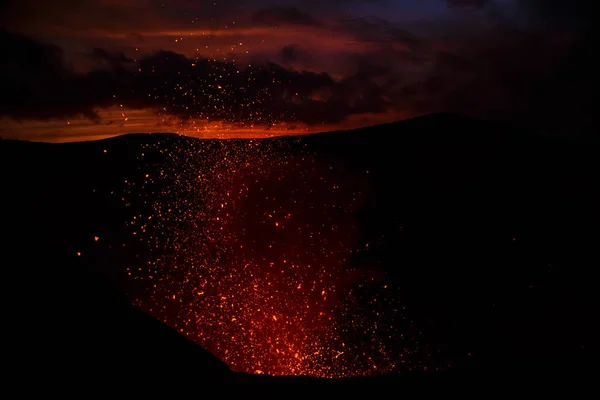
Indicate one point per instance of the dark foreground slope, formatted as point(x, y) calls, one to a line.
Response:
point(490, 235)
point(490, 232)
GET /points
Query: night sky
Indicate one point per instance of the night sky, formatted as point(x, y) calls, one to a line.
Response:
point(76, 70)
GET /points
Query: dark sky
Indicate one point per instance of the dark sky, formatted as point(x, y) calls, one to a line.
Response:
point(76, 69)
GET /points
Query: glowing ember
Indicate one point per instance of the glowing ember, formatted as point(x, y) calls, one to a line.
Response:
point(252, 257)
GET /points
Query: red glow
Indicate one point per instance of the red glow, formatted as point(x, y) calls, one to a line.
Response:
point(254, 262)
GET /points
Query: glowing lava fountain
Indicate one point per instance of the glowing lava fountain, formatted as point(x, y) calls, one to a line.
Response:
point(252, 257)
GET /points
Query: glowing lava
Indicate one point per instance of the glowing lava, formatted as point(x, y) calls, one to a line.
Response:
point(253, 259)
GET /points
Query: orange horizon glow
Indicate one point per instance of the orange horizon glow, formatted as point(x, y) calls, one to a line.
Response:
point(117, 121)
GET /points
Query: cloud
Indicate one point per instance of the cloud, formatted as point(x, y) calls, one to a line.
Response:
point(531, 78)
point(75, 15)
point(276, 16)
point(112, 59)
point(293, 53)
point(378, 30)
point(561, 14)
point(538, 72)
point(37, 84)
point(31, 73)
point(470, 4)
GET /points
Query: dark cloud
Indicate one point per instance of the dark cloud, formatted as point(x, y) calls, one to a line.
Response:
point(529, 78)
point(472, 4)
point(76, 15)
point(111, 59)
point(577, 15)
point(31, 73)
point(387, 47)
point(276, 16)
point(378, 31)
point(293, 53)
point(37, 84)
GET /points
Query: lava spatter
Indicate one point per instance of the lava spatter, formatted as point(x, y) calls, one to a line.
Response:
point(252, 258)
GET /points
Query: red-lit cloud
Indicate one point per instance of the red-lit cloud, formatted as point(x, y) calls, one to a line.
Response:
point(77, 61)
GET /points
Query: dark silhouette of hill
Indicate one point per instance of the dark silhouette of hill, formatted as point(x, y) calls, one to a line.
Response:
point(490, 233)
